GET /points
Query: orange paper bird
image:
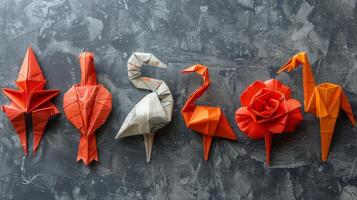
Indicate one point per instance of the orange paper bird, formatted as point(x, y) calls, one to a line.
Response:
point(30, 98)
point(209, 121)
point(87, 105)
point(323, 100)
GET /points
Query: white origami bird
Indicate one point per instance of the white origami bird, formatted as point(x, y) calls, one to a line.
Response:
point(152, 112)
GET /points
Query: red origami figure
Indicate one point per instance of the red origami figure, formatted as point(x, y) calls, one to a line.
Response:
point(87, 105)
point(267, 109)
point(30, 98)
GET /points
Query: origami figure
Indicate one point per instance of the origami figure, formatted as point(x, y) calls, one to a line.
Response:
point(267, 109)
point(30, 98)
point(87, 106)
point(152, 112)
point(323, 100)
point(209, 121)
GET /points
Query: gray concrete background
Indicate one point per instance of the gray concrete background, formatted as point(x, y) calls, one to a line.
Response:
point(239, 40)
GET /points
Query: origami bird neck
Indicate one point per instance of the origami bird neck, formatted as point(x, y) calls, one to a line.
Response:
point(308, 77)
point(135, 64)
point(203, 71)
point(88, 74)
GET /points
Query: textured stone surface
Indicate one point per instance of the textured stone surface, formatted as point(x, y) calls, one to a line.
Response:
point(240, 41)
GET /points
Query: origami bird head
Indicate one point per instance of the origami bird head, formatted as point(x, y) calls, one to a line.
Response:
point(294, 62)
point(88, 74)
point(200, 69)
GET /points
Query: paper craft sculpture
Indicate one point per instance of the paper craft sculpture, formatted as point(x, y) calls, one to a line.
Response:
point(87, 106)
point(209, 121)
point(267, 109)
point(152, 112)
point(323, 100)
point(30, 98)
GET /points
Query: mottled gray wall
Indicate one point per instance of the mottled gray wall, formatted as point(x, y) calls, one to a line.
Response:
point(240, 41)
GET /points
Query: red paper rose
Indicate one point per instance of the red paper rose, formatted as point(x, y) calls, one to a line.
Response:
point(267, 109)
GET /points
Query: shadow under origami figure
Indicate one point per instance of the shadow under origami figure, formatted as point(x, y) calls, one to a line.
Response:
point(323, 100)
point(87, 105)
point(209, 121)
point(30, 98)
point(152, 112)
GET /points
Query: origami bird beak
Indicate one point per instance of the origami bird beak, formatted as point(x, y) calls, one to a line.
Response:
point(194, 68)
point(188, 70)
point(294, 62)
point(290, 65)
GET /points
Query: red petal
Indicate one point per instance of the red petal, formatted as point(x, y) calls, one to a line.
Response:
point(250, 91)
point(295, 116)
point(249, 127)
point(276, 85)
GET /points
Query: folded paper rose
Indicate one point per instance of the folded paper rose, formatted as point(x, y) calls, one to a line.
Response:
point(267, 109)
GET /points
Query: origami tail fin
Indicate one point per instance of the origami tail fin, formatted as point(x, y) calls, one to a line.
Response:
point(203, 71)
point(136, 62)
point(327, 126)
point(268, 140)
point(17, 118)
point(346, 106)
point(207, 142)
point(308, 77)
point(224, 130)
point(87, 150)
point(148, 140)
point(39, 121)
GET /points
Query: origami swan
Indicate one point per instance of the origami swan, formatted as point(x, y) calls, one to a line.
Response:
point(323, 100)
point(30, 98)
point(152, 112)
point(209, 121)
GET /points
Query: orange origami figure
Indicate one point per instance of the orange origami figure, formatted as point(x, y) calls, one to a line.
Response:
point(323, 100)
point(209, 121)
point(30, 98)
point(87, 105)
point(267, 109)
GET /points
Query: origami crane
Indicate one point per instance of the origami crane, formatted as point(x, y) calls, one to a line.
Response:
point(323, 100)
point(267, 110)
point(209, 121)
point(30, 98)
point(87, 106)
point(152, 112)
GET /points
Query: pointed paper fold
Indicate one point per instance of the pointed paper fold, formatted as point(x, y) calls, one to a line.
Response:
point(152, 112)
point(267, 109)
point(323, 100)
point(209, 121)
point(30, 98)
point(87, 105)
